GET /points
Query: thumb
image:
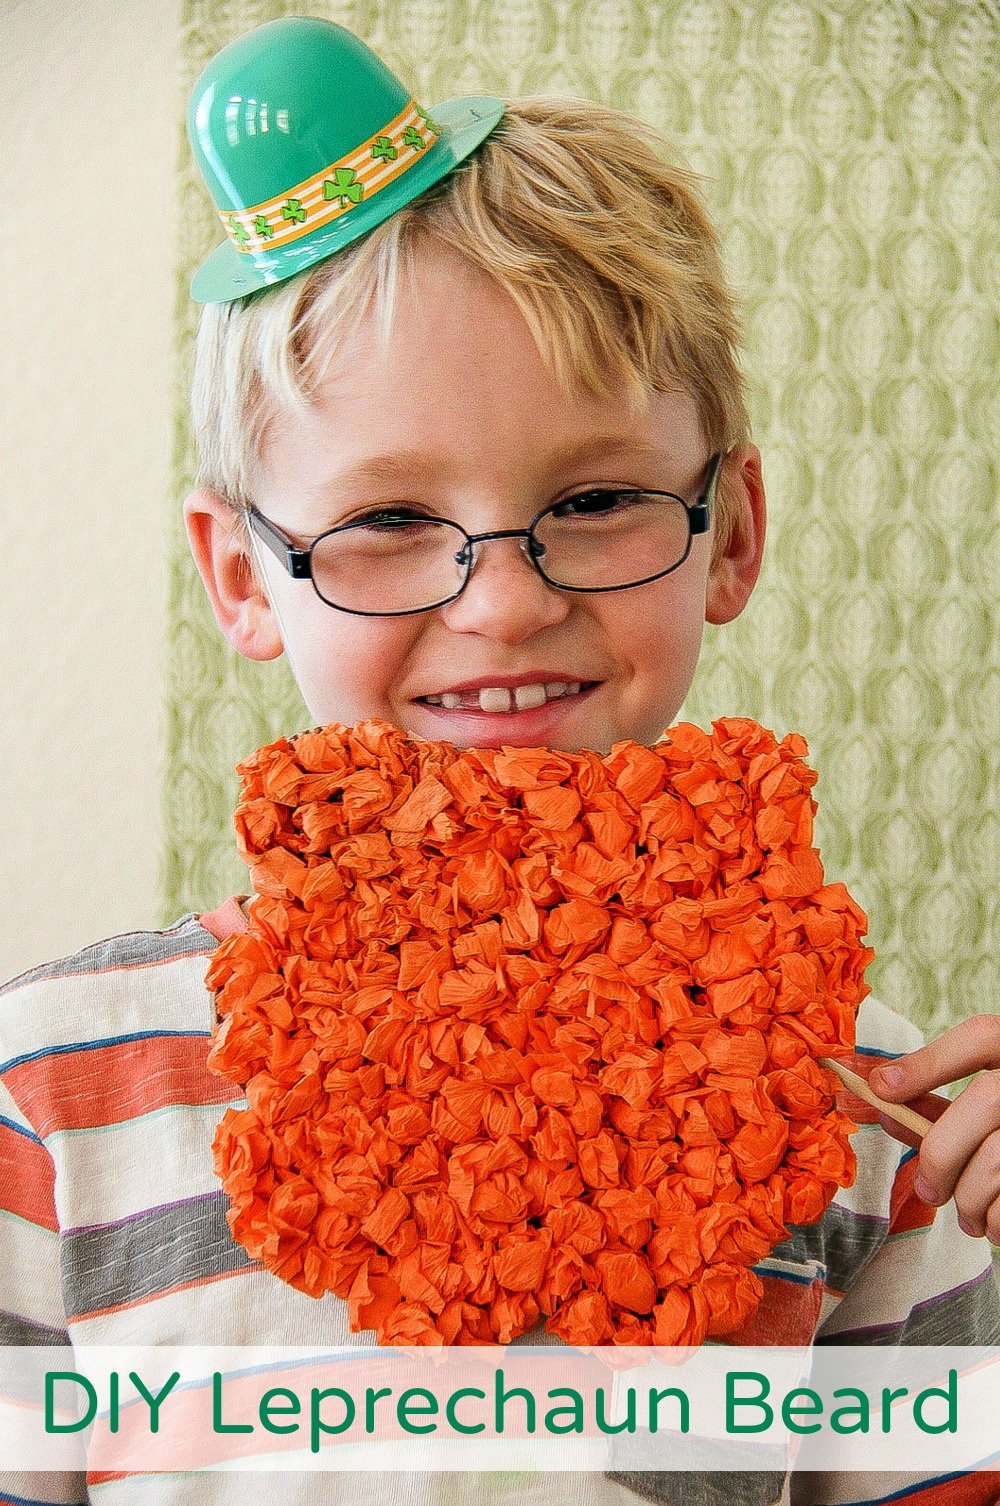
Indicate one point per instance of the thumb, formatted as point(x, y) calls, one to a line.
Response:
point(891, 1080)
point(967, 1047)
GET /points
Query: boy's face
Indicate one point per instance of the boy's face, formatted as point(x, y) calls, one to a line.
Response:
point(459, 417)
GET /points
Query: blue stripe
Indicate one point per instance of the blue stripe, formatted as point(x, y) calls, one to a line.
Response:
point(111, 1040)
point(20, 1129)
point(5, 1495)
point(763, 1270)
point(910, 1492)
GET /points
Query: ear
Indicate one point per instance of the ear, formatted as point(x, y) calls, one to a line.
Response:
point(735, 567)
point(242, 610)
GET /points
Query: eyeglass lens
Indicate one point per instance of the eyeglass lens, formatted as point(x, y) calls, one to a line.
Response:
point(605, 541)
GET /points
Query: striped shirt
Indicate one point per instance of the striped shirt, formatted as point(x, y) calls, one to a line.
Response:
point(113, 1231)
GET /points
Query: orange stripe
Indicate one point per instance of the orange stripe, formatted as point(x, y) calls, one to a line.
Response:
point(227, 920)
point(788, 1314)
point(316, 218)
point(27, 1179)
point(87, 1089)
point(981, 1488)
point(856, 1108)
point(906, 1211)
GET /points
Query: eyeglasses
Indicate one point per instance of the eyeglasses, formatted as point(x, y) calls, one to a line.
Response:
point(395, 561)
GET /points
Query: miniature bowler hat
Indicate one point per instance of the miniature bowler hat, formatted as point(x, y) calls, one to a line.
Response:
point(307, 141)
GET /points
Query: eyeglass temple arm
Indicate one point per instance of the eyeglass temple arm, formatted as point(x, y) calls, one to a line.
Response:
point(700, 512)
point(296, 561)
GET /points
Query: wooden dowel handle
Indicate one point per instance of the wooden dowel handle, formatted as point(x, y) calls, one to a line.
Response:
point(899, 1112)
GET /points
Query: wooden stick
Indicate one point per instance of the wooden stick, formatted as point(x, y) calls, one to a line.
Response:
point(899, 1112)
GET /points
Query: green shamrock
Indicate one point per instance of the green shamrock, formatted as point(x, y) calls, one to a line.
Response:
point(384, 148)
point(293, 211)
point(344, 188)
point(263, 227)
point(429, 121)
point(413, 138)
point(239, 230)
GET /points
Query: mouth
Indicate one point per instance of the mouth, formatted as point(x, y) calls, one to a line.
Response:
point(508, 700)
point(528, 711)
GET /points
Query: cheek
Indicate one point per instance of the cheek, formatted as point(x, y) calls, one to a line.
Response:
point(662, 632)
point(346, 667)
point(662, 641)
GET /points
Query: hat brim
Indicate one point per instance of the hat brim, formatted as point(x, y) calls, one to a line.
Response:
point(228, 274)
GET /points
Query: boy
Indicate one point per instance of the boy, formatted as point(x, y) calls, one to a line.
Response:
point(543, 334)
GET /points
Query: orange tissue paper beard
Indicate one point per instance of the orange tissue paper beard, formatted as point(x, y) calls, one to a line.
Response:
point(527, 1034)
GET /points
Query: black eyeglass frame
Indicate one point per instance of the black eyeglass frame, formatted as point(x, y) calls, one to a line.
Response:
point(297, 559)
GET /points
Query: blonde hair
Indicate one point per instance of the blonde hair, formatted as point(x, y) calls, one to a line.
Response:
point(606, 249)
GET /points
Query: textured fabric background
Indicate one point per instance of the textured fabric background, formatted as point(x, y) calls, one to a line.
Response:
point(852, 162)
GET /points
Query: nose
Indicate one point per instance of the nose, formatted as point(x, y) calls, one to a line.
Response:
point(505, 599)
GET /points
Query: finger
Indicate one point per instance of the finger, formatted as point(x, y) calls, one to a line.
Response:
point(977, 1193)
point(857, 1084)
point(993, 1222)
point(950, 1144)
point(967, 1047)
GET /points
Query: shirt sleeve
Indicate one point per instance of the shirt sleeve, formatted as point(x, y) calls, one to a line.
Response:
point(917, 1279)
point(904, 1272)
point(31, 1304)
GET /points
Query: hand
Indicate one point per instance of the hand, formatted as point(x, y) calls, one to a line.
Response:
point(960, 1154)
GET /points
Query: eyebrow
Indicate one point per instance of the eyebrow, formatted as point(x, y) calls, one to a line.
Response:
point(398, 465)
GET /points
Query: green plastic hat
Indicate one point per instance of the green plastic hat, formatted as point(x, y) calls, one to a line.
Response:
point(307, 141)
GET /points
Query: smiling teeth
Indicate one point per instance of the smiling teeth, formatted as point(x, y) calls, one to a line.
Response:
point(497, 698)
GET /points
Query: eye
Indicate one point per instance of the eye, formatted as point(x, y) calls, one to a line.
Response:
point(596, 503)
point(390, 519)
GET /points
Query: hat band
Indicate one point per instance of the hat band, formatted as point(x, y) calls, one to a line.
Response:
point(349, 181)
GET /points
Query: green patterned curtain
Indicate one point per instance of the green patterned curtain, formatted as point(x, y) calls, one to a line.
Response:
point(851, 157)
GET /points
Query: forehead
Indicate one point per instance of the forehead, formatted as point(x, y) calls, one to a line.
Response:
point(454, 385)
